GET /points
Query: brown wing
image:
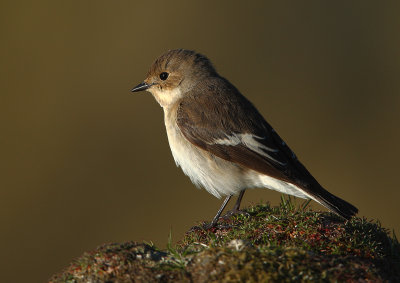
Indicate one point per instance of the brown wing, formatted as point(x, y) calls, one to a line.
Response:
point(220, 126)
point(224, 117)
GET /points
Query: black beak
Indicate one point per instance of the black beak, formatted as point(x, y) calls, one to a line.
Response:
point(140, 87)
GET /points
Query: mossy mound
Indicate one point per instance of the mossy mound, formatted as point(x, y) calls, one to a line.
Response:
point(270, 244)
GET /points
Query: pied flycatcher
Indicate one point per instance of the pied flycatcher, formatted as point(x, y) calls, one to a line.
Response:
point(220, 140)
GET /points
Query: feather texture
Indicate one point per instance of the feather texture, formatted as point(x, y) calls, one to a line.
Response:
point(218, 137)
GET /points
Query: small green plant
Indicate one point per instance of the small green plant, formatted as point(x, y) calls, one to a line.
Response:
point(271, 244)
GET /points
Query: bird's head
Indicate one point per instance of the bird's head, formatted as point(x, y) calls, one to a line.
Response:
point(175, 73)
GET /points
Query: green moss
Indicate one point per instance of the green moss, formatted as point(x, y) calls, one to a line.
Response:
point(281, 244)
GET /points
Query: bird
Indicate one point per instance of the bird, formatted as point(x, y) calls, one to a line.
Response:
point(221, 141)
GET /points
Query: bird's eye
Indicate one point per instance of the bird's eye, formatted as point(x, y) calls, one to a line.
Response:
point(164, 76)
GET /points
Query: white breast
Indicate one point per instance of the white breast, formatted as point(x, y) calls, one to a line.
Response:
point(219, 177)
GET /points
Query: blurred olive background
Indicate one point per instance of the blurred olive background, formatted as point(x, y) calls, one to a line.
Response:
point(84, 161)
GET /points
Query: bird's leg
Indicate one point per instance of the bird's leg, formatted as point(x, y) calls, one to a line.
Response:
point(216, 217)
point(235, 210)
point(238, 201)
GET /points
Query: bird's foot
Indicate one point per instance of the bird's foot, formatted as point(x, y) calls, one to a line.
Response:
point(233, 212)
point(203, 226)
point(208, 226)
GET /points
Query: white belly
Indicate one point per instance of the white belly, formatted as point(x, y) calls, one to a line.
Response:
point(218, 176)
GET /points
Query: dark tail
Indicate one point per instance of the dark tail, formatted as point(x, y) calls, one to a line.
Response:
point(335, 204)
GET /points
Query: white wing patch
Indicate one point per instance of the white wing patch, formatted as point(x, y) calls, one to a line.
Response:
point(250, 142)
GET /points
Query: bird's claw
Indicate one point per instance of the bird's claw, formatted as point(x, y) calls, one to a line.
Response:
point(234, 212)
